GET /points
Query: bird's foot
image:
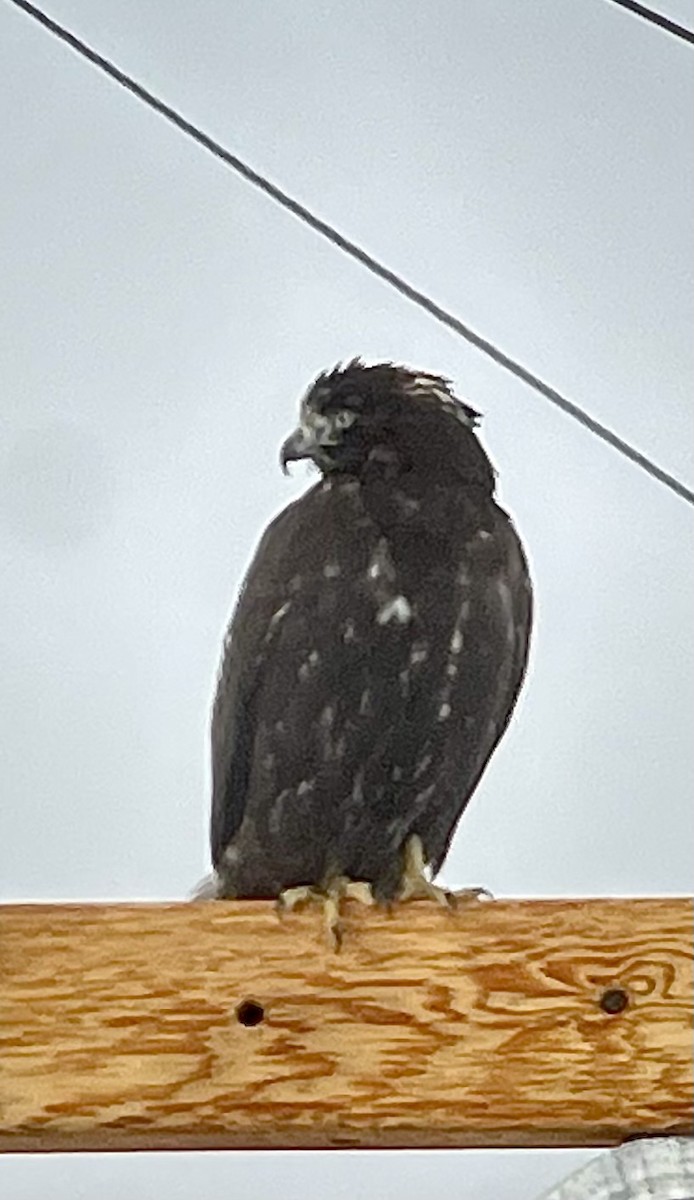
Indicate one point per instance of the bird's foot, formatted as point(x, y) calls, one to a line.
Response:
point(471, 895)
point(330, 898)
point(414, 884)
point(418, 887)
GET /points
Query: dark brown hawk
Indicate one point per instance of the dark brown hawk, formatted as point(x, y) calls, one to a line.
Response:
point(376, 652)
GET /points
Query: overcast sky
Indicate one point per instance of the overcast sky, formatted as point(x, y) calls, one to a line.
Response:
point(530, 165)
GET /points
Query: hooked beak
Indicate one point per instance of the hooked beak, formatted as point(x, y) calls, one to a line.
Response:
point(300, 444)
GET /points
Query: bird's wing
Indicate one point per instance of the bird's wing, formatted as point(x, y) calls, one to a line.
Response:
point(257, 615)
point(307, 663)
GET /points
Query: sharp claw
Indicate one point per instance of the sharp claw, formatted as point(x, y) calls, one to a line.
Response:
point(470, 895)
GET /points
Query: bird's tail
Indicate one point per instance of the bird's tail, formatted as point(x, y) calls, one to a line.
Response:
point(207, 889)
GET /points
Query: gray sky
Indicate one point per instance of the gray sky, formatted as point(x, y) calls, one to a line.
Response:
point(531, 166)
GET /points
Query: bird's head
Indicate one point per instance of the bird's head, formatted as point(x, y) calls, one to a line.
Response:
point(357, 414)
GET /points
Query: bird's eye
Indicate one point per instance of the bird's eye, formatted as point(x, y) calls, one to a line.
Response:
point(344, 418)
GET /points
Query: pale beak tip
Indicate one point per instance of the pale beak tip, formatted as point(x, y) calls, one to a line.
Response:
point(294, 448)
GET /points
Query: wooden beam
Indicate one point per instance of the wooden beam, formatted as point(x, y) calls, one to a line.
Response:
point(192, 1026)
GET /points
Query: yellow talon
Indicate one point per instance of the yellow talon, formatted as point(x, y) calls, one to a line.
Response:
point(330, 897)
point(414, 884)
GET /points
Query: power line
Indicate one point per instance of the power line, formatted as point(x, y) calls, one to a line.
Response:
point(657, 18)
point(356, 252)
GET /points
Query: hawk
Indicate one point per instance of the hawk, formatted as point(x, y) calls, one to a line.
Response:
point(376, 652)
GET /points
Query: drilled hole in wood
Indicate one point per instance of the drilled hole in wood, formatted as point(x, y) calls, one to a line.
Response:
point(614, 1001)
point(249, 1013)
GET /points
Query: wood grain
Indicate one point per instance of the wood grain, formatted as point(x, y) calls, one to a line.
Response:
point(119, 1026)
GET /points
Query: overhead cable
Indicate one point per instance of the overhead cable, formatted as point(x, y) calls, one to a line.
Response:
point(656, 18)
point(362, 256)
